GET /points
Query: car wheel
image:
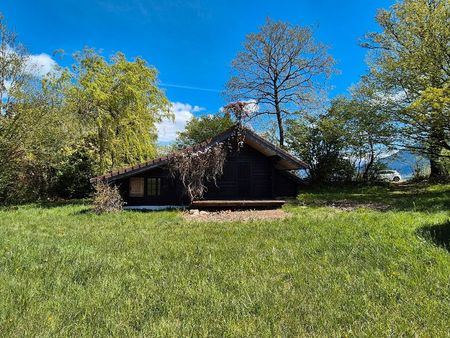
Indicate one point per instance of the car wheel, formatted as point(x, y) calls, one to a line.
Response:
point(396, 179)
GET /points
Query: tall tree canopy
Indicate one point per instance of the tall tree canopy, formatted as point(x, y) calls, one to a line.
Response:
point(60, 129)
point(282, 68)
point(120, 104)
point(369, 129)
point(13, 79)
point(410, 60)
point(33, 127)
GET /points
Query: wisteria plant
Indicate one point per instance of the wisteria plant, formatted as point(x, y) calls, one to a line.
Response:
point(195, 168)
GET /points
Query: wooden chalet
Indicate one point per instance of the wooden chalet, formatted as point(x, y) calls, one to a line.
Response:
point(260, 174)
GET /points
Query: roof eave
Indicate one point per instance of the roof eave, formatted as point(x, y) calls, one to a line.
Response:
point(295, 163)
point(287, 162)
point(114, 177)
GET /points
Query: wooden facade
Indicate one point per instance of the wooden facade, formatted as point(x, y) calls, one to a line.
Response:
point(249, 175)
point(259, 171)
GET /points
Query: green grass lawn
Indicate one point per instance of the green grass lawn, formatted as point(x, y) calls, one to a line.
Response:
point(67, 272)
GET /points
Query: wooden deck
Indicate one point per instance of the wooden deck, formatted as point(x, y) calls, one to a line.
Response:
point(237, 203)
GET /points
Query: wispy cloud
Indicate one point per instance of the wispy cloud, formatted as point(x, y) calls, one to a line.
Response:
point(167, 130)
point(157, 9)
point(171, 85)
point(134, 6)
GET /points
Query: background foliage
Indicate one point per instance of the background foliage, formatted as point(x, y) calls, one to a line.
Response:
point(58, 131)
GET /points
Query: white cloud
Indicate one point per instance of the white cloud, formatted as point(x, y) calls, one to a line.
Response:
point(40, 64)
point(251, 107)
point(183, 112)
point(37, 65)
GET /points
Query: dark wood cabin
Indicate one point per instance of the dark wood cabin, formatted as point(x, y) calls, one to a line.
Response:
point(258, 173)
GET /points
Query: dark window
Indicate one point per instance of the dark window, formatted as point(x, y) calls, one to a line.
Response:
point(153, 186)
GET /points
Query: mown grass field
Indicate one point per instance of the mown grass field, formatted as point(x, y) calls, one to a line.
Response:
point(325, 271)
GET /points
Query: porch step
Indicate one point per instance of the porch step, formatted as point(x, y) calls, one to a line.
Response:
point(237, 203)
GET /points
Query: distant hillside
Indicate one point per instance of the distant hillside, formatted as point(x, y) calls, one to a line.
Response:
point(403, 161)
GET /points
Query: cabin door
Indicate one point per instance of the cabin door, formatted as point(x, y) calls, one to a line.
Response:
point(244, 180)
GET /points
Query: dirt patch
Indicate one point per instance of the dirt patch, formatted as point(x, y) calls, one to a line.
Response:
point(234, 215)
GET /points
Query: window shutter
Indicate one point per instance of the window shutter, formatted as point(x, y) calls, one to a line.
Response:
point(136, 187)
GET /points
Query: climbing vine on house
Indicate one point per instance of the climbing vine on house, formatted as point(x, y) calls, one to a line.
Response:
point(241, 111)
point(197, 167)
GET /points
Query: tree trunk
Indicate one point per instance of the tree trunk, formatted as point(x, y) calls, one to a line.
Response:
point(437, 170)
point(279, 118)
point(367, 169)
point(280, 128)
point(369, 164)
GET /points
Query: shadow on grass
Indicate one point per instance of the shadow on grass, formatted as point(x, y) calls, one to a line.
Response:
point(143, 211)
point(438, 234)
point(46, 204)
point(62, 203)
point(84, 211)
point(91, 211)
point(405, 197)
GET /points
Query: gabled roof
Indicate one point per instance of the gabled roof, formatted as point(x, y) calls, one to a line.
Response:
point(285, 160)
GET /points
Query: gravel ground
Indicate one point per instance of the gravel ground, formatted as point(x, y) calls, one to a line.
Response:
point(234, 215)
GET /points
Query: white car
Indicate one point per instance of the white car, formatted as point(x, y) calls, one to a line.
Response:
point(389, 175)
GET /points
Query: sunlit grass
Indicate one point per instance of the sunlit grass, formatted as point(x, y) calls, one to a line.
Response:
point(67, 272)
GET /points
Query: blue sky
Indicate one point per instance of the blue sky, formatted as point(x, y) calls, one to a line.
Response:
point(193, 42)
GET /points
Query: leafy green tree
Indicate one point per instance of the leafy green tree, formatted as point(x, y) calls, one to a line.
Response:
point(58, 131)
point(410, 60)
point(51, 129)
point(199, 129)
point(13, 58)
point(321, 143)
point(33, 125)
point(119, 103)
point(72, 173)
point(368, 127)
point(281, 69)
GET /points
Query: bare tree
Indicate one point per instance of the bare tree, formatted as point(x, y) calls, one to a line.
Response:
point(281, 68)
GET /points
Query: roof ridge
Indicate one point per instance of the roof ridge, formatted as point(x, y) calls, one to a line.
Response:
point(218, 138)
point(276, 147)
point(161, 159)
